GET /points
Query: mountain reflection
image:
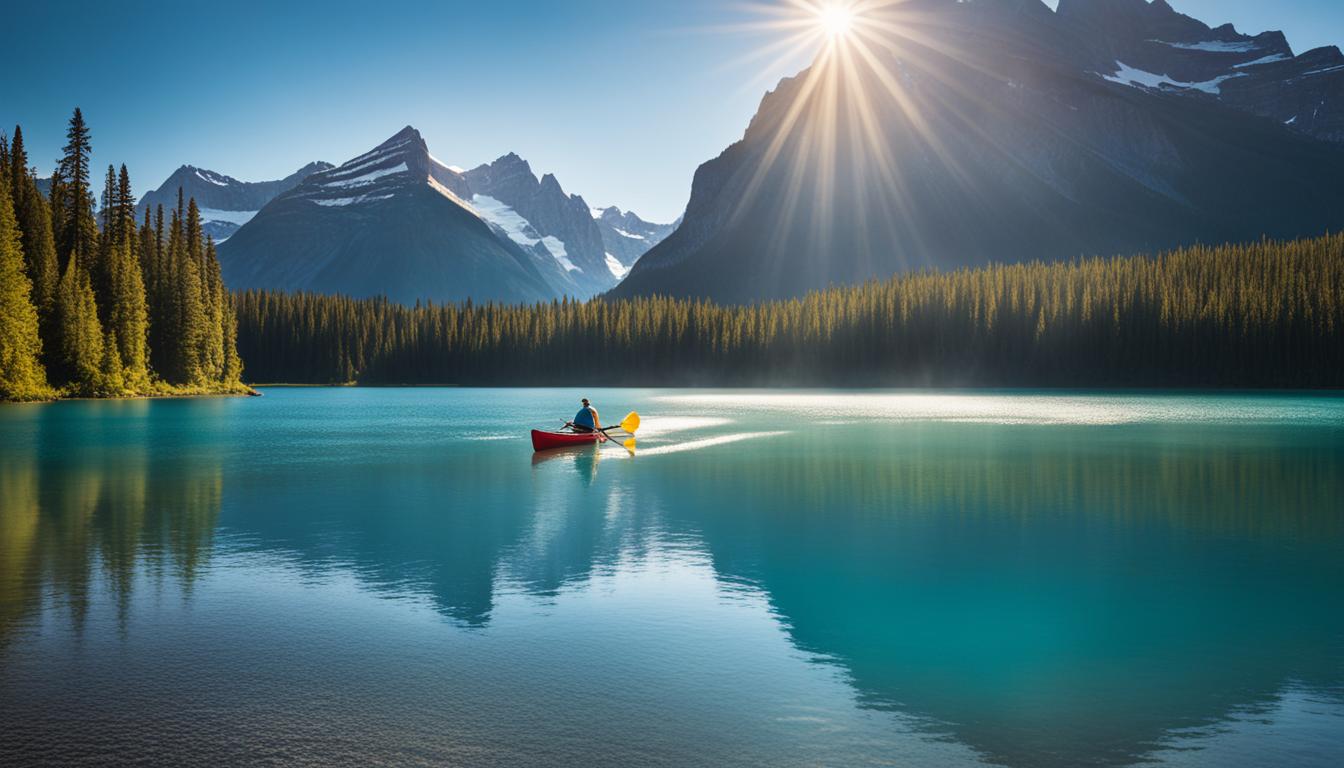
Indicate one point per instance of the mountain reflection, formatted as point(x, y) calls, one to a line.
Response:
point(1044, 596)
point(1049, 600)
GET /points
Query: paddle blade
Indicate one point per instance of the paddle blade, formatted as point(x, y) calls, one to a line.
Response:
point(631, 423)
point(630, 446)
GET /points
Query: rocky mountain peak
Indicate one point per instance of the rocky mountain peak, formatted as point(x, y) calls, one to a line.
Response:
point(1109, 126)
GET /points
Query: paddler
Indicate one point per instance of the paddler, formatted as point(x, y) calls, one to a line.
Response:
point(586, 420)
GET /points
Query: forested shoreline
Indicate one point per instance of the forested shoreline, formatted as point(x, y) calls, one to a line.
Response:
point(94, 304)
point(1261, 315)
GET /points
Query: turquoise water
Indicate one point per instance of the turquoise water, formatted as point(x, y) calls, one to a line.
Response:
point(350, 576)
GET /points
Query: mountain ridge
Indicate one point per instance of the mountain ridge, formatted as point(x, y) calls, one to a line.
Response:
point(999, 141)
point(390, 222)
point(546, 233)
point(225, 202)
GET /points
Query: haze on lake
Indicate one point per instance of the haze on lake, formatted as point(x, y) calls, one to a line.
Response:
point(349, 576)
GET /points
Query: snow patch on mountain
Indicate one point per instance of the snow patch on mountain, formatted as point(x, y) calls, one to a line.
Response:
point(557, 249)
point(1323, 71)
point(387, 150)
point(232, 217)
point(344, 201)
point(368, 178)
point(350, 167)
point(618, 270)
point(1265, 60)
point(519, 229)
point(1213, 46)
point(211, 178)
point(1134, 77)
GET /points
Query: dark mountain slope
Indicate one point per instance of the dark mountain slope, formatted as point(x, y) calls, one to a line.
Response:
point(390, 222)
point(986, 139)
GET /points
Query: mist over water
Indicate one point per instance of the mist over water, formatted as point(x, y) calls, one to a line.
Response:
point(350, 576)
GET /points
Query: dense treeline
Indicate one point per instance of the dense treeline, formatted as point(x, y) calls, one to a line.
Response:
point(1258, 315)
point(96, 305)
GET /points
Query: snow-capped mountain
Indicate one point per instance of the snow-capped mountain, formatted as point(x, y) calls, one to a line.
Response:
point(392, 222)
point(596, 254)
point(397, 221)
point(225, 202)
point(1004, 131)
point(507, 193)
point(626, 237)
point(1151, 46)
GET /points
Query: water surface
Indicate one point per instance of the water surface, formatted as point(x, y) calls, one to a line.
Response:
point(349, 576)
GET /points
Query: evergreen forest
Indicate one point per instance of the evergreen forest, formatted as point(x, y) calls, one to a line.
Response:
point(1265, 314)
point(96, 304)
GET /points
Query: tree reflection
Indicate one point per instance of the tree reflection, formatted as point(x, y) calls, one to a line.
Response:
point(72, 510)
point(1046, 596)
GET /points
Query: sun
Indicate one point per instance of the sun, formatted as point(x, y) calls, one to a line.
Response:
point(836, 20)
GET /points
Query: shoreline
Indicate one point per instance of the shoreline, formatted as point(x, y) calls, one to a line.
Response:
point(245, 390)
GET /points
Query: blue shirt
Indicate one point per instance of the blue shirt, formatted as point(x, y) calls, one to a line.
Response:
point(586, 418)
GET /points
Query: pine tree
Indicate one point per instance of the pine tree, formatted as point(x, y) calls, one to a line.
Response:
point(121, 293)
point(125, 208)
point(128, 318)
point(18, 160)
point(183, 328)
point(107, 243)
point(80, 336)
point(78, 231)
point(151, 267)
point(163, 322)
point(214, 298)
point(233, 363)
point(110, 380)
point(39, 256)
point(192, 299)
point(21, 372)
point(108, 202)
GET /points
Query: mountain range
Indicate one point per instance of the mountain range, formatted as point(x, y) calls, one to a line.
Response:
point(225, 202)
point(971, 132)
point(1001, 130)
point(398, 222)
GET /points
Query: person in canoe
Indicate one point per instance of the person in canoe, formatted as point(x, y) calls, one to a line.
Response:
point(586, 420)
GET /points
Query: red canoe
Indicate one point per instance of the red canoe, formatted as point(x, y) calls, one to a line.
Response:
point(543, 441)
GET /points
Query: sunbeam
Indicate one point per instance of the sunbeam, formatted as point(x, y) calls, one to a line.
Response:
point(881, 91)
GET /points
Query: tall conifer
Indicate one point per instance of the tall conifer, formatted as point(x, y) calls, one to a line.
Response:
point(39, 256)
point(78, 233)
point(80, 336)
point(128, 318)
point(214, 299)
point(21, 372)
point(107, 243)
point(18, 160)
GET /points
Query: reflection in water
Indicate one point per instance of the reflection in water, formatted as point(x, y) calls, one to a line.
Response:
point(1035, 592)
point(1041, 595)
point(582, 458)
point(72, 509)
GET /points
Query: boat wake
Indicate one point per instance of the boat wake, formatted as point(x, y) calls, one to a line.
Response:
point(708, 442)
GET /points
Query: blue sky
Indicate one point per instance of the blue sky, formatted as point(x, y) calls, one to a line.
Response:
point(621, 100)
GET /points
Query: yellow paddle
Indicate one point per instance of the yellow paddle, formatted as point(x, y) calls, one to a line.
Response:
point(629, 424)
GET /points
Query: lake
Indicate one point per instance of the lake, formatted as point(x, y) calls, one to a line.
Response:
point(359, 576)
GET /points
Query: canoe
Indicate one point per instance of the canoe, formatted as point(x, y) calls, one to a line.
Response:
point(544, 441)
